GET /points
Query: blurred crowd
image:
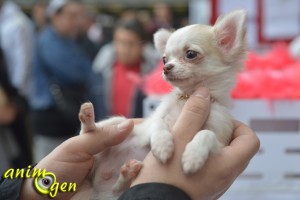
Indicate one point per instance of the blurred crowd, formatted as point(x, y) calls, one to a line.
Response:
point(64, 54)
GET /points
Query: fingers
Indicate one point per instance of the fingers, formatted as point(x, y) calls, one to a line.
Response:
point(93, 143)
point(245, 136)
point(116, 134)
point(244, 145)
point(193, 115)
point(138, 120)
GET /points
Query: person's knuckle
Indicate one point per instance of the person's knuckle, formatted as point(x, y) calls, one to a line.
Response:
point(198, 107)
point(105, 135)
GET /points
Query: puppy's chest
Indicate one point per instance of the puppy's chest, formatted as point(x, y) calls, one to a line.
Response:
point(173, 112)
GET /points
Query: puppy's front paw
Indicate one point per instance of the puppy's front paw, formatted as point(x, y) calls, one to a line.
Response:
point(197, 151)
point(162, 146)
point(193, 159)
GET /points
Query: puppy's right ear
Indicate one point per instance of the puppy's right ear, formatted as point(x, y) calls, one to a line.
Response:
point(160, 39)
point(230, 31)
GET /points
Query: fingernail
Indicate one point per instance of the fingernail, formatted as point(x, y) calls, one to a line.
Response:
point(202, 92)
point(123, 125)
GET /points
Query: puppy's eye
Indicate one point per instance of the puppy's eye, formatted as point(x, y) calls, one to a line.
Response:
point(190, 54)
point(165, 60)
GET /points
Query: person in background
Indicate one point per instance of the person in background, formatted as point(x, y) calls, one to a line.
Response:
point(122, 64)
point(16, 40)
point(129, 14)
point(162, 18)
point(61, 72)
point(39, 15)
point(90, 32)
point(90, 38)
point(16, 43)
point(146, 19)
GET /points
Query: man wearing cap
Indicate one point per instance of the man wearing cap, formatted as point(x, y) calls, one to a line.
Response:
point(57, 59)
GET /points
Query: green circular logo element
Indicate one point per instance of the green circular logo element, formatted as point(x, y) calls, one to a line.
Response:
point(43, 184)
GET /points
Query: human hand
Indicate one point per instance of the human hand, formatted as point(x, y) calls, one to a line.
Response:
point(219, 171)
point(72, 160)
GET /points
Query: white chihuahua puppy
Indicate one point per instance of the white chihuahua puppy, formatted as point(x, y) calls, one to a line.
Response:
point(199, 55)
point(196, 55)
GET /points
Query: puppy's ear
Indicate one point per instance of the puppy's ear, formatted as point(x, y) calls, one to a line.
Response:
point(230, 31)
point(160, 39)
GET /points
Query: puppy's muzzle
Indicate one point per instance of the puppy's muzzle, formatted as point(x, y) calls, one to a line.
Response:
point(167, 68)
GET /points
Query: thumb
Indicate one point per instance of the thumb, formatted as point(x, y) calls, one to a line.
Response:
point(116, 134)
point(97, 142)
point(193, 115)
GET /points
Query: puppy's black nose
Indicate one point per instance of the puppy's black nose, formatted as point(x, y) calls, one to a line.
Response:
point(167, 68)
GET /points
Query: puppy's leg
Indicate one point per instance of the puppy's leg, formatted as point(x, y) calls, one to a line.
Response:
point(87, 118)
point(162, 144)
point(197, 151)
point(129, 171)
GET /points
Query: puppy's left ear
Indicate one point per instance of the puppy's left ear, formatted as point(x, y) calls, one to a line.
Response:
point(230, 31)
point(160, 39)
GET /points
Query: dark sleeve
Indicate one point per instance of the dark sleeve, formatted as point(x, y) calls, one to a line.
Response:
point(10, 189)
point(154, 191)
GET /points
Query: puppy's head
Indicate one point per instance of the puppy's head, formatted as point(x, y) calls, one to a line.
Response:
point(201, 54)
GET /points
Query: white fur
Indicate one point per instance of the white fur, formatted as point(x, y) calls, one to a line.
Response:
point(197, 151)
point(162, 40)
point(220, 53)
